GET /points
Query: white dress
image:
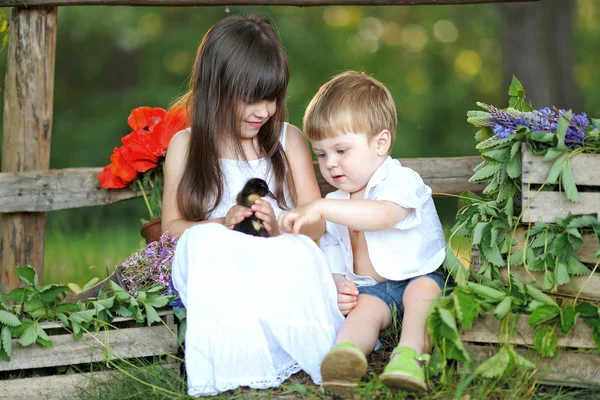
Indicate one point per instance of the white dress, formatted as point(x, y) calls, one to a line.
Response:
point(258, 309)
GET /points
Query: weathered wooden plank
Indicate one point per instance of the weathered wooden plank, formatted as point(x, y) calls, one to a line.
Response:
point(66, 386)
point(567, 368)
point(585, 168)
point(68, 350)
point(57, 190)
point(487, 330)
point(28, 99)
point(78, 187)
point(547, 206)
point(54, 386)
point(588, 288)
point(224, 3)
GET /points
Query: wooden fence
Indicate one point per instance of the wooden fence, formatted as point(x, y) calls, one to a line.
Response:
point(28, 189)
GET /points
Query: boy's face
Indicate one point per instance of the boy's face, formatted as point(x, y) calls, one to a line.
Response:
point(348, 161)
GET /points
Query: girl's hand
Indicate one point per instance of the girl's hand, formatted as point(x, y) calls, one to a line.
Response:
point(347, 293)
point(264, 211)
point(235, 215)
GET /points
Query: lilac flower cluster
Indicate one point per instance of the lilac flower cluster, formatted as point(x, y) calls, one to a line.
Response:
point(150, 265)
point(506, 122)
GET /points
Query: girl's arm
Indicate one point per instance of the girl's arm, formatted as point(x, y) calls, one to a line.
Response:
point(305, 180)
point(175, 161)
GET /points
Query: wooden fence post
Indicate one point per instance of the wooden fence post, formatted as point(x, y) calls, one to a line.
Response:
point(28, 101)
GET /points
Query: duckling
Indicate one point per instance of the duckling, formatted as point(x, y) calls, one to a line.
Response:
point(254, 189)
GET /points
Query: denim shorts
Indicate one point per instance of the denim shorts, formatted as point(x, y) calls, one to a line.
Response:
point(392, 292)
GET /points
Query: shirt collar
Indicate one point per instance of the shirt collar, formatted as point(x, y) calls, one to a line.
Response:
point(380, 173)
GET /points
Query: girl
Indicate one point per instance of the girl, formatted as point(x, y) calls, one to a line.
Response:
point(258, 309)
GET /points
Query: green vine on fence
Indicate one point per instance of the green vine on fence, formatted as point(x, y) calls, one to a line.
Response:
point(22, 310)
point(491, 221)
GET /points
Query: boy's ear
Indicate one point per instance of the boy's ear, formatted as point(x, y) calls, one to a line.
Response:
point(384, 140)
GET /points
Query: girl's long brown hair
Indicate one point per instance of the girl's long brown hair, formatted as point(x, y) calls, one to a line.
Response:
point(239, 59)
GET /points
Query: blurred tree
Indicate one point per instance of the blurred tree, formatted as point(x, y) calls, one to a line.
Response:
point(538, 42)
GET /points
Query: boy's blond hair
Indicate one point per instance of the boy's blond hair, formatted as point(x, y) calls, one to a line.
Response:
point(350, 102)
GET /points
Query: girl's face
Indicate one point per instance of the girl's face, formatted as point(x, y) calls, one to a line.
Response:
point(254, 115)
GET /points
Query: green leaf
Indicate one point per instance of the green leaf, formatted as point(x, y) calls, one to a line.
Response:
point(18, 294)
point(466, 308)
point(551, 154)
point(485, 172)
point(157, 301)
point(538, 295)
point(516, 88)
point(587, 310)
point(583, 221)
point(545, 340)
point(518, 360)
point(575, 267)
point(27, 275)
point(556, 169)
point(29, 335)
point(151, 314)
point(513, 167)
point(123, 311)
point(90, 283)
point(51, 292)
point(494, 367)
point(567, 319)
point(561, 274)
point(561, 130)
point(503, 308)
point(543, 314)
point(6, 340)
point(514, 150)
point(541, 136)
point(120, 293)
point(516, 258)
point(478, 232)
point(548, 282)
point(9, 319)
point(486, 292)
point(492, 253)
point(569, 183)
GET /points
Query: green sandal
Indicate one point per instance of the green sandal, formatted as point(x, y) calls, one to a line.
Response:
point(342, 368)
point(405, 370)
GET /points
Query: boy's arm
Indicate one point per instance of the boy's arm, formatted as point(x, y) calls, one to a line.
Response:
point(362, 215)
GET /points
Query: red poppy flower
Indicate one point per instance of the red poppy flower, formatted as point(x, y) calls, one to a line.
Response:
point(142, 142)
point(145, 118)
point(139, 161)
point(120, 167)
point(108, 180)
point(173, 122)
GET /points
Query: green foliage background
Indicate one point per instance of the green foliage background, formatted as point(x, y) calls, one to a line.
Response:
point(437, 62)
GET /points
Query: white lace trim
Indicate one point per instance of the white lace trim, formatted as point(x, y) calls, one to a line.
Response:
point(208, 389)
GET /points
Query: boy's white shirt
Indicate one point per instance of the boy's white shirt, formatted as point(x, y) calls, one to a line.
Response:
point(414, 246)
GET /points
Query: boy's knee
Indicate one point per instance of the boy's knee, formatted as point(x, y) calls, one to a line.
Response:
point(422, 289)
point(374, 309)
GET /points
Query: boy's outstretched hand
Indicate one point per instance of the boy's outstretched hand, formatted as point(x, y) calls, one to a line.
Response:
point(347, 293)
point(292, 221)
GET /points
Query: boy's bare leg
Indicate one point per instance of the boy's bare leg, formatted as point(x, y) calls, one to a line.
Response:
point(343, 367)
point(365, 321)
point(405, 370)
point(418, 296)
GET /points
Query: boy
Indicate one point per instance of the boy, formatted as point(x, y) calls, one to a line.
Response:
point(383, 239)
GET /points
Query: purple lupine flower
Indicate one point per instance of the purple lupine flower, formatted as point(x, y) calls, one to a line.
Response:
point(505, 123)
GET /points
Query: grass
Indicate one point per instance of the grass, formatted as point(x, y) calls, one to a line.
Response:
point(156, 381)
point(79, 257)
